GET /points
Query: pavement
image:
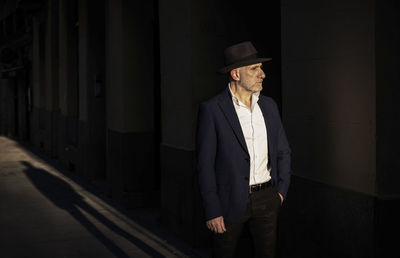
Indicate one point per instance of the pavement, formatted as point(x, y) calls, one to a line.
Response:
point(45, 212)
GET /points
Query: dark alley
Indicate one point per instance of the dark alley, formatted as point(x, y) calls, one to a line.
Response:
point(137, 128)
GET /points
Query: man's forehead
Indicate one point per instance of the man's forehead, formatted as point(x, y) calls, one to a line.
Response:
point(251, 66)
point(255, 65)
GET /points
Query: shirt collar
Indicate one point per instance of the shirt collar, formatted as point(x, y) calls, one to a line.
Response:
point(254, 98)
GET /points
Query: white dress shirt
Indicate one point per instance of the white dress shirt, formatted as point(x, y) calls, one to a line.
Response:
point(255, 134)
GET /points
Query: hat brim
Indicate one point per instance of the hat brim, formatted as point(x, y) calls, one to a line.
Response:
point(243, 63)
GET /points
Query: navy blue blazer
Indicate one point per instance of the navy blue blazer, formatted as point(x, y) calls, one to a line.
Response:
point(223, 162)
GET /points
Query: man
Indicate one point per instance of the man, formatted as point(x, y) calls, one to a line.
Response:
point(243, 157)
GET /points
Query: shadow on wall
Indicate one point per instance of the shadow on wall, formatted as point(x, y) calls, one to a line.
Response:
point(61, 194)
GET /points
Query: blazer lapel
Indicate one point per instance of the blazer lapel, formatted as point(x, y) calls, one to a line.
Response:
point(229, 111)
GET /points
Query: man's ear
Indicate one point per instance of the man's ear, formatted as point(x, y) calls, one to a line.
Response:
point(235, 74)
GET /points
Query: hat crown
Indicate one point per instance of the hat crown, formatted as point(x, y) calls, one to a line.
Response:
point(239, 55)
point(239, 52)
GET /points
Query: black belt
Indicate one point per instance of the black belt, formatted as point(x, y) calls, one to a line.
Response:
point(258, 187)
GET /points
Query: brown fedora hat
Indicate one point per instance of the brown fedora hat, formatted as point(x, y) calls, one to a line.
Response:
point(241, 54)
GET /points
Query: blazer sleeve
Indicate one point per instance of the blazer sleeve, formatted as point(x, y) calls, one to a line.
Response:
point(284, 159)
point(206, 148)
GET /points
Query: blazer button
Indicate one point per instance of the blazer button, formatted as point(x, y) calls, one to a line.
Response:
point(246, 178)
point(247, 159)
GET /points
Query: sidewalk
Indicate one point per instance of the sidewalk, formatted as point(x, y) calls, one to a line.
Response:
point(44, 213)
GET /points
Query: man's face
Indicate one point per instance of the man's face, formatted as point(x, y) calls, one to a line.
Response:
point(251, 77)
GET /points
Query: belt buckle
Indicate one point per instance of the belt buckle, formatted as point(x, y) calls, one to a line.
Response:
point(256, 188)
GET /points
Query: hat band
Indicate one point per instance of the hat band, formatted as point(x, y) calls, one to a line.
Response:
point(247, 58)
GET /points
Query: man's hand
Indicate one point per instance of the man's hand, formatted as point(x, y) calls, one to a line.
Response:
point(216, 225)
point(280, 195)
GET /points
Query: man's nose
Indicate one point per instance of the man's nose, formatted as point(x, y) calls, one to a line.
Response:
point(262, 74)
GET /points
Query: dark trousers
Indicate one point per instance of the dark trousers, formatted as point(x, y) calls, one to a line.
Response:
point(261, 217)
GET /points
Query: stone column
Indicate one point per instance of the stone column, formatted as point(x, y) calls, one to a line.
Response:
point(49, 134)
point(338, 72)
point(93, 112)
point(84, 78)
point(21, 83)
point(130, 102)
point(6, 107)
point(43, 124)
point(91, 99)
point(3, 110)
point(38, 82)
point(69, 68)
point(178, 116)
point(328, 75)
